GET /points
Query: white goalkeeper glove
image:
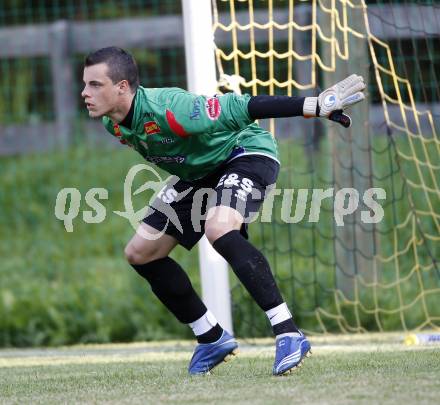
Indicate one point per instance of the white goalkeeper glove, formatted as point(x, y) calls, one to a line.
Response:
point(332, 102)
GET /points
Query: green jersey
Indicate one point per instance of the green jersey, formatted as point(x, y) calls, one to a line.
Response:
point(189, 135)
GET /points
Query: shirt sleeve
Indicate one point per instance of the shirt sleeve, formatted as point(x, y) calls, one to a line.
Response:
point(190, 114)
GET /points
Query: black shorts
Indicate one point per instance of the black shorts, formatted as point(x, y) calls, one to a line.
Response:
point(180, 208)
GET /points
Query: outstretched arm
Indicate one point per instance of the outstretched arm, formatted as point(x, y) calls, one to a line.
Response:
point(189, 114)
point(329, 104)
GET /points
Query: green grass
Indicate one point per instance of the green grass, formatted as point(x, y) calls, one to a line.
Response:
point(345, 373)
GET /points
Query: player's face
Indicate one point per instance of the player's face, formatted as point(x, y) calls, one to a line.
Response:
point(100, 94)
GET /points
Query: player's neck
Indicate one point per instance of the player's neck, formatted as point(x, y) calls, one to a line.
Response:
point(118, 114)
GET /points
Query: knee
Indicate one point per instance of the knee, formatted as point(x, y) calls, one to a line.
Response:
point(215, 230)
point(137, 256)
point(220, 221)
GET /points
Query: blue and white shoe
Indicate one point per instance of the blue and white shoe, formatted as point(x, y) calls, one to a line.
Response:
point(208, 355)
point(291, 349)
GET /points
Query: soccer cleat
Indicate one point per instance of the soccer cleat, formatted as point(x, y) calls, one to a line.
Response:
point(290, 353)
point(208, 355)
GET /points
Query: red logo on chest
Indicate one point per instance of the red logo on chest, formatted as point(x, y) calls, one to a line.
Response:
point(151, 127)
point(213, 108)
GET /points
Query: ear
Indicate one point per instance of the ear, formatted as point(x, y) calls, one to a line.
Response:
point(123, 87)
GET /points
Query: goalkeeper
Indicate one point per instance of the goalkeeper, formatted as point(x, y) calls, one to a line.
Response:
point(207, 143)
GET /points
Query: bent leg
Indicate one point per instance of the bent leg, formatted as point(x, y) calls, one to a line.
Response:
point(249, 265)
point(147, 252)
point(169, 282)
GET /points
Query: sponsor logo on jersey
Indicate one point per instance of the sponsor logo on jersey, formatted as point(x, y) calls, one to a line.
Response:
point(165, 159)
point(151, 128)
point(167, 140)
point(213, 108)
point(195, 113)
point(149, 115)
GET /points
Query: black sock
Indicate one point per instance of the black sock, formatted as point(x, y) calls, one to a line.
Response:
point(287, 326)
point(172, 286)
point(253, 270)
point(211, 336)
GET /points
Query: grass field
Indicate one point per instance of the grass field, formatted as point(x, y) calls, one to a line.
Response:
point(343, 370)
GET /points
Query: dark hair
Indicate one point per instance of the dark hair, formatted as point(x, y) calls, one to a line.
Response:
point(121, 65)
